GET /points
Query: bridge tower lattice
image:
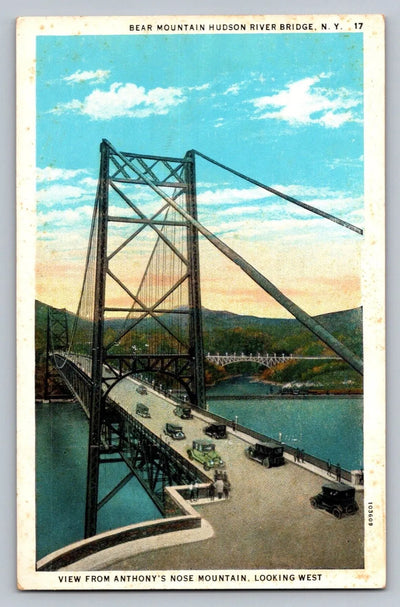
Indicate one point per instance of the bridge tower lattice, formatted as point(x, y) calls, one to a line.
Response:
point(139, 314)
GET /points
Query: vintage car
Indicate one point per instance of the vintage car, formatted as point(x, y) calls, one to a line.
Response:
point(216, 431)
point(142, 410)
point(268, 454)
point(174, 431)
point(336, 498)
point(183, 412)
point(141, 390)
point(203, 451)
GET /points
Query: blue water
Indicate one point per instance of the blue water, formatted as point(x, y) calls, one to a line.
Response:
point(328, 428)
point(61, 457)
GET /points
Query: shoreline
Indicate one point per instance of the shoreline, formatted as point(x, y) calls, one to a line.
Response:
point(281, 396)
point(311, 392)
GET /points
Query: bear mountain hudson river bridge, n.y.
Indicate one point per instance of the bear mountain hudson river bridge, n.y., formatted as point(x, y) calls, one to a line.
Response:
point(147, 203)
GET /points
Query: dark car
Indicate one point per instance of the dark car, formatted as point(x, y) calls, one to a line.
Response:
point(174, 431)
point(268, 454)
point(183, 412)
point(216, 430)
point(141, 390)
point(336, 498)
point(142, 410)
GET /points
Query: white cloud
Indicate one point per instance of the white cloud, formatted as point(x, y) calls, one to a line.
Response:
point(60, 194)
point(90, 182)
point(303, 103)
point(250, 209)
point(233, 89)
point(73, 216)
point(333, 121)
point(51, 243)
point(200, 87)
point(65, 217)
point(53, 174)
point(127, 100)
point(230, 196)
point(75, 106)
point(335, 204)
point(312, 195)
point(280, 231)
point(219, 122)
point(305, 191)
point(345, 162)
point(240, 205)
point(87, 76)
point(59, 188)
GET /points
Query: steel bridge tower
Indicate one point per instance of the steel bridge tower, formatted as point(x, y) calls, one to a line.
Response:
point(163, 310)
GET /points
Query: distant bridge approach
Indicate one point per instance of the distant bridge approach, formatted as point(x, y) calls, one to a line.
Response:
point(266, 360)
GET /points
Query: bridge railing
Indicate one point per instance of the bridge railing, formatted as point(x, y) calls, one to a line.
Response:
point(304, 457)
point(323, 465)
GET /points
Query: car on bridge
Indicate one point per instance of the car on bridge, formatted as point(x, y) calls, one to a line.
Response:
point(141, 390)
point(142, 410)
point(174, 431)
point(216, 431)
point(336, 498)
point(269, 454)
point(183, 412)
point(203, 451)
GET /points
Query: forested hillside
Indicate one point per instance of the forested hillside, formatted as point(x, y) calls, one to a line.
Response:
point(228, 332)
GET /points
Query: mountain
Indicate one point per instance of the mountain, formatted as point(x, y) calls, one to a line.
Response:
point(225, 331)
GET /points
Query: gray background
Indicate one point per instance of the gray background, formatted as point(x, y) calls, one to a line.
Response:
point(8, 13)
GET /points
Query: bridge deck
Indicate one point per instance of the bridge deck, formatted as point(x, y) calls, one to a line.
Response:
point(266, 523)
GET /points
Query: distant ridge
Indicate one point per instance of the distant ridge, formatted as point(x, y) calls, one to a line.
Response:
point(353, 315)
point(225, 331)
point(228, 331)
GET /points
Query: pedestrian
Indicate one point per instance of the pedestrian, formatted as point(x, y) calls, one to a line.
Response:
point(191, 490)
point(233, 424)
point(329, 467)
point(227, 488)
point(195, 491)
point(338, 473)
point(217, 475)
point(297, 455)
point(219, 487)
point(211, 491)
point(225, 476)
point(302, 456)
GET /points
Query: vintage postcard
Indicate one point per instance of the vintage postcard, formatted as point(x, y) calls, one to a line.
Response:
point(201, 329)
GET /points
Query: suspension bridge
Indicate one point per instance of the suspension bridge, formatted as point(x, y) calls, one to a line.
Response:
point(142, 319)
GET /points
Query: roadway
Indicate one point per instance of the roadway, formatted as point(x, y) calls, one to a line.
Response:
point(266, 523)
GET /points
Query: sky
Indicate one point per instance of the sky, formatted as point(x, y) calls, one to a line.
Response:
point(284, 109)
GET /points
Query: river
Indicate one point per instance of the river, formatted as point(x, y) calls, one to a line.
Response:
point(61, 458)
point(330, 428)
